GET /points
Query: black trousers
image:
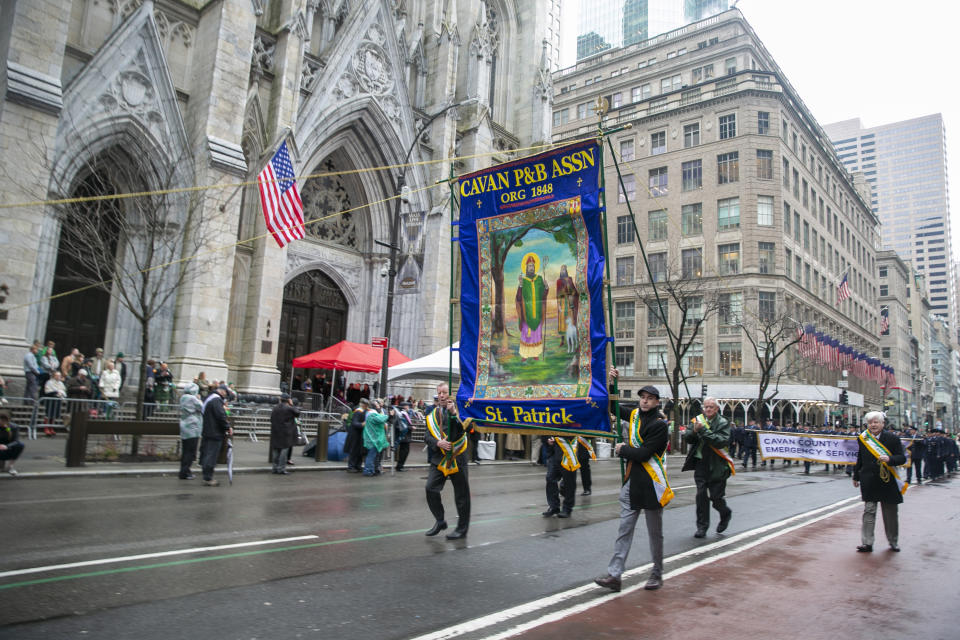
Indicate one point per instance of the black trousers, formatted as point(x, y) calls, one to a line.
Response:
point(555, 474)
point(355, 461)
point(461, 493)
point(209, 452)
point(709, 493)
point(747, 452)
point(403, 450)
point(586, 478)
point(188, 453)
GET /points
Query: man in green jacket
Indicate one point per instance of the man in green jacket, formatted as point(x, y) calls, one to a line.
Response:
point(708, 438)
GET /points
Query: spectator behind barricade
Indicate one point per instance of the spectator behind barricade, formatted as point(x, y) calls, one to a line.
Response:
point(70, 364)
point(10, 445)
point(53, 392)
point(365, 392)
point(78, 387)
point(110, 386)
point(163, 387)
point(48, 362)
point(191, 426)
point(283, 432)
point(353, 394)
point(121, 367)
point(31, 372)
point(203, 385)
point(98, 365)
point(3, 391)
point(232, 395)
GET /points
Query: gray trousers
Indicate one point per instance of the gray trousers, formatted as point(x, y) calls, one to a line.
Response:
point(891, 524)
point(279, 460)
point(628, 522)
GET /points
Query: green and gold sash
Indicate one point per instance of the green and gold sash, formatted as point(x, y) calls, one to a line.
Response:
point(448, 466)
point(570, 460)
point(702, 419)
point(886, 471)
point(655, 467)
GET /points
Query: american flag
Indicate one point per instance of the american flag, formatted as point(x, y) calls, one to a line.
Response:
point(843, 291)
point(884, 319)
point(282, 207)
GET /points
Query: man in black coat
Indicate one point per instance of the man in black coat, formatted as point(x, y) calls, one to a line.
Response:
point(283, 432)
point(875, 473)
point(353, 445)
point(643, 449)
point(559, 479)
point(446, 440)
point(215, 429)
point(918, 450)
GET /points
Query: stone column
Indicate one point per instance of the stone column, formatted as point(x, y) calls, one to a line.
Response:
point(215, 125)
point(32, 40)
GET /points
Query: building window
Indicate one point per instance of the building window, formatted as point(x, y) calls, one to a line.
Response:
point(625, 270)
point(798, 268)
point(624, 230)
point(763, 123)
point(765, 211)
point(702, 73)
point(624, 360)
point(692, 175)
point(658, 266)
point(692, 361)
point(728, 258)
point(786, 173)
point(625, 319)
point(630, 184)
point(730, 64)
point(635, 95)
point(882, 272)
point(885, 351)
point(658, 143)
point(730, 308)
point(786, 219)
point(626, 150)
point(767, 309)
point(731, 360)
point(655, 321)
point(884, 290)
point(764, 164)
point(657, 225)
point(658, 182)
point(766, 256)
point(657, 360)
point(806, 236)
point(728, 214)
point(645, 91)
point(616, 100)
point(670, 84)
point(691, 219)
point(692, 263)
point(796, 183)
point(728, 167)
point(691, 135)
point(561, 117)
point(787, 264)
point(728, 126)
point(582, 111)
point(796, 227)
point(806, 276)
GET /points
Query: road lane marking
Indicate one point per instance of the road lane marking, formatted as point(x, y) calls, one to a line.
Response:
point(558, 599)
point(146, 556)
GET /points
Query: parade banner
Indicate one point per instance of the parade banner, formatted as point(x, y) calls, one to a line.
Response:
point(807, 447)
point(533, 336)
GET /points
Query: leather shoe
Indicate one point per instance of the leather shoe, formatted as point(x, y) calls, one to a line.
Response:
point(724, 521)
point(894, 547)
point(701, 533)
point(865, 548)
point(563, 514)
point(437, 527)
point(654, 583)
point(550, 512)
point(587, 493)
point(456, 534)
point(608, 582)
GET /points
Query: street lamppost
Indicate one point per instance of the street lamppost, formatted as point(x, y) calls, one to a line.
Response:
point(395, 231)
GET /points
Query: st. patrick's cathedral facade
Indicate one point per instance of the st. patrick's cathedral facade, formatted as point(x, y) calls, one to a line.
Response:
point(189, 99)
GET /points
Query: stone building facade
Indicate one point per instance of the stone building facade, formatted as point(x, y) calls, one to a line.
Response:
point(202, 92)
point(737, 191)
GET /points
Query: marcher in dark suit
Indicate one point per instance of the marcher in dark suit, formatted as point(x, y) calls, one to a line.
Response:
point(354, 442)
point(447, 442)
point(584, 454)
point(711, 465)
point(283, 432)
point(215, 429)
point(918, 449)
point(750, 445)
point(643, 448)
point(560, 476)
point(876, 474)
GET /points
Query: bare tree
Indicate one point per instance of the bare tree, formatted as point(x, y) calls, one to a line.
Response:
point(135, 248)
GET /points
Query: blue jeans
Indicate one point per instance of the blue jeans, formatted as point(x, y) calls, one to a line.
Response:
point(370, 464)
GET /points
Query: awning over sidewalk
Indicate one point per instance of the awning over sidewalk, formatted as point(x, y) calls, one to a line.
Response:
point(349, 356)
point(430, 367)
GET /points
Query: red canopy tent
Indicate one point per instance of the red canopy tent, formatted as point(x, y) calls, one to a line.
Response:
point(349, 356)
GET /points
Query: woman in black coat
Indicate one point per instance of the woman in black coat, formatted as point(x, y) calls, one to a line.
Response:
point(876, 474)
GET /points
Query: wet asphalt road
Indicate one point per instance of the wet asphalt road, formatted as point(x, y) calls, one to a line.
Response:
point(368, 573)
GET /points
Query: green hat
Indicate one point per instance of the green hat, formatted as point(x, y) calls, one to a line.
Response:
point(120, 354)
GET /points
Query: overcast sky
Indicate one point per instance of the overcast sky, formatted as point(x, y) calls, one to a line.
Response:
point(877, 60)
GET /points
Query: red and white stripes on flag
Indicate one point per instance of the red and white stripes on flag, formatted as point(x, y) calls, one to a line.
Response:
point(843, 290)
point(280, 199)
point(884, 319)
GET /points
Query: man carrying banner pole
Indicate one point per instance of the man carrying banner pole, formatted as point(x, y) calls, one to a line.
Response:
point(875, 473)
point(447, 440)
point(711, 465)
point(645, 487)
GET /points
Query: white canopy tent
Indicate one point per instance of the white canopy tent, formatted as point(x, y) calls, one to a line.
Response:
point(435, 366)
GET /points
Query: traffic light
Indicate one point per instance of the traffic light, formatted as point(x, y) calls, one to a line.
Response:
point(843, 397)
point(703, 391)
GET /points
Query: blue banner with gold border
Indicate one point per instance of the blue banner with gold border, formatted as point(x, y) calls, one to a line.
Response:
point(533, 335)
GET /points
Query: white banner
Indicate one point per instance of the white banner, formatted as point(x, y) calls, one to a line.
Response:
point(808, 447)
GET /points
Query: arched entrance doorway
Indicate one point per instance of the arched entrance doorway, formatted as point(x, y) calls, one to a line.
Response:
point(314, 317)
point(80, 319)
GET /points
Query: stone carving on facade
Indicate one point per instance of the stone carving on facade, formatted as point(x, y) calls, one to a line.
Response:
point(314, 257)
point(258, 6)
point(264, 49)
point(310, 72)
point(373, 68)
point(324, 196)
point(132, 91)
point(486, 34)
point(171, 30)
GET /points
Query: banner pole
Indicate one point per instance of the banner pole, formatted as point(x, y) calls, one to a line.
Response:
point(602, 107)
point(452, 304)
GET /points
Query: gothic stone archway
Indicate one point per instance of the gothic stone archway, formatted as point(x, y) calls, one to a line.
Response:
point(314, 317)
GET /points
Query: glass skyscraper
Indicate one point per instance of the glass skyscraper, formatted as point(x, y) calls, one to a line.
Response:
point(606, 24)
point(906, 165)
